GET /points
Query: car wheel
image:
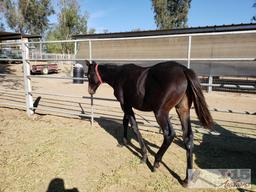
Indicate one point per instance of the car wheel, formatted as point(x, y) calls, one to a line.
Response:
point(45, 71)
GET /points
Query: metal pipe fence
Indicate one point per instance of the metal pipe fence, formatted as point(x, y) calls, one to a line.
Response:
point(27, 77)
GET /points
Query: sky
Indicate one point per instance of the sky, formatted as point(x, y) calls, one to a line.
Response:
point(127, 15)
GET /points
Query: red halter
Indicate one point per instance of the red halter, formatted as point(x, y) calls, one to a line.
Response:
point(98, 74)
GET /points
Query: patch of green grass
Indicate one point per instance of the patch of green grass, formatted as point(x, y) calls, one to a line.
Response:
point(134, 162)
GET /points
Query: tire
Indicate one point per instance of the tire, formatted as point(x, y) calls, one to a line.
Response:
point(45, 71)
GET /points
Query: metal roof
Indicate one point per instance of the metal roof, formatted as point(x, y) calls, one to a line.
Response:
point(205, 29)
point(14, 36)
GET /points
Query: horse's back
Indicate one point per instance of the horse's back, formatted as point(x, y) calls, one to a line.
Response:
point(169, 67)
point(162, 70)
point(167, 74)
point(147, 87)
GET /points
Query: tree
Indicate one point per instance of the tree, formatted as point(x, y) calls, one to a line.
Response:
point(54, 34)
point(28, 16)
point(70, 22)
point(1, 26)
point(171, 13)
point(254, 17)
point(91, 31)
point(1, 15)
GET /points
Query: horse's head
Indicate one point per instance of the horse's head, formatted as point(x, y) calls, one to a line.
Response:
point(94, 80)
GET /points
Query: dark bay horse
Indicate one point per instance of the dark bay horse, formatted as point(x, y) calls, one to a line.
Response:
point(158, 88)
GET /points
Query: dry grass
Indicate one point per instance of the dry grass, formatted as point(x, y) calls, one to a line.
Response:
point(34, 152)
point(47, 153)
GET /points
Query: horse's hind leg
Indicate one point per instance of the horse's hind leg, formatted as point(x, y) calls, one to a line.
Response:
point(183, 110)
point(168, 132)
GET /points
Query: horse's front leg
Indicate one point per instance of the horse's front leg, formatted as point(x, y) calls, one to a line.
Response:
point(139, 137)
point(125, 125)
point(119, 95)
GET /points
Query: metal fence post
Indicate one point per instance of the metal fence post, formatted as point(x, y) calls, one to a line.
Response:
point(90, 51)
point(90, 59)
point(41, 49)
point(210, 83)
point(27, 80)
point(189, 50)
point(74, 57)
point(92, 111)
point(75, 49)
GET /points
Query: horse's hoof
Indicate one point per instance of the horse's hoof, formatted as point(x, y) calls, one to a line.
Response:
point(119, 145)
point(125, 141)
point(185, 183)
point(144, 159)
point(156, 166)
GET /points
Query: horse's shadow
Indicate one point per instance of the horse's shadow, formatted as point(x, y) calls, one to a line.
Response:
point(227, 150)
point(115, 128)
point(224, 151)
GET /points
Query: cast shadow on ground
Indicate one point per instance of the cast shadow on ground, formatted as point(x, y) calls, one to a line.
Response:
point(58, 185)
point(115, 128)
point(11, 83)
point(224, 151)
point(6, 68)
point(227, 151)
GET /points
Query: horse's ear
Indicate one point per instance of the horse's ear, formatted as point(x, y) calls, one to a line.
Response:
point(87, 63)
point(94, 63)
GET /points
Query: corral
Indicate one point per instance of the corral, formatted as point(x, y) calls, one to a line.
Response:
point(49, 152)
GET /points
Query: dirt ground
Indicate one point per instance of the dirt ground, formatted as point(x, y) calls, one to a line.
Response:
point(54, 153)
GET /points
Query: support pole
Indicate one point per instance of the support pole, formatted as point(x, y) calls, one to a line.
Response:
point(75, 49)
point(27, 80)
point(210, 84)
point(92, 111)
point(189, 50)
point(90, 51)
point(74, 62)
point(41, 49)
point(90, 59)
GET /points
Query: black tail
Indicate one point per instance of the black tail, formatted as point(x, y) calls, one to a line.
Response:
point(201, 108)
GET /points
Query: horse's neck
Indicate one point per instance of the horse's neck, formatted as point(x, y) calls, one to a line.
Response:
point(109, 73)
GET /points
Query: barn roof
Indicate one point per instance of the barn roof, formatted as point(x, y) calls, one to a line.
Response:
point(205, 29)
point(14, 36)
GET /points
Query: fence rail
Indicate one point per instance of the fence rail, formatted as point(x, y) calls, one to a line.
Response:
point(144, 59)
point(28, 57)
